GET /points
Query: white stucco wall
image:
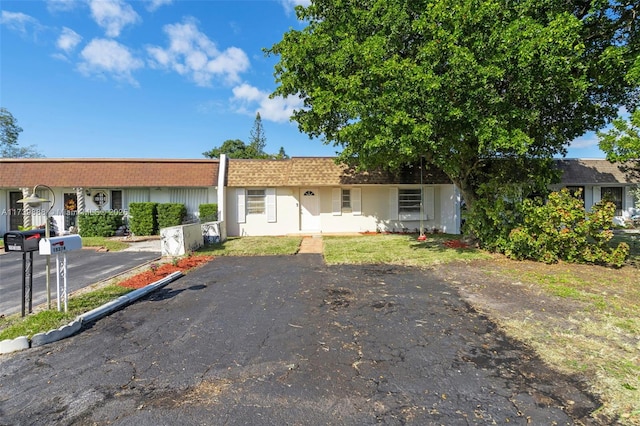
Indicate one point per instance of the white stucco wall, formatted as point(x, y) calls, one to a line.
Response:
point(374, 216)
point(287, 216)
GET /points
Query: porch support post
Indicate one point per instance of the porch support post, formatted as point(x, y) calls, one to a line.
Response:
point(80, 207)
point(26, 209)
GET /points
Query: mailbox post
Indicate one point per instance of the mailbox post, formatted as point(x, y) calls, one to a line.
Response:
point(25, 242)
point(57, 245)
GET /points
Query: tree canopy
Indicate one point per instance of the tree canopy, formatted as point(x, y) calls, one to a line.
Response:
point(9, 132)
point(235, 148)
point(460, 83)
point(232, 148)
point(622, 141)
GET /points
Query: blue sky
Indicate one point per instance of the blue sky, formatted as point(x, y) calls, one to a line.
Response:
point(151, 78)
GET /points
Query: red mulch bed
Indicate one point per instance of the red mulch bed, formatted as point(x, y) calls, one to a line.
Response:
point(162, 270)
point(456, 244)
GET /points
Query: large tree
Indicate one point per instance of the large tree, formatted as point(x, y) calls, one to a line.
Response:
point(257, 137)
point(235, 148)
point(232, 148)
point(9, 132)
point(460, 83)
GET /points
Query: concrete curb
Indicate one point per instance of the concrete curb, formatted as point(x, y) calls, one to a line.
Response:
point(12, 345)
point(121, 301)
point(22, 342)
point(55, 335)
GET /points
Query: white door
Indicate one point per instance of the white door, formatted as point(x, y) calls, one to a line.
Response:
point(309, 210)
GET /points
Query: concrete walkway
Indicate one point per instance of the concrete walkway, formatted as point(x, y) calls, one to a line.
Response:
point(150, 245)
point(311, 244)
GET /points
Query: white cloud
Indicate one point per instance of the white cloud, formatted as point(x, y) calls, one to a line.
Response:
point(68, 40)
point(191, 53)
point(61, 5)
point(249, 100)
point(102, 56)
point(289, 5)
point(293, 3)
point(588, 140)
point(113, 15)
point(156, 4)
point(18, 21)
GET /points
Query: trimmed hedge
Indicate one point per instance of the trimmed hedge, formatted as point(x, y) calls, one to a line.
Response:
point(99, 224)
point(143, 218)
point(171, 214)
point(208, 212)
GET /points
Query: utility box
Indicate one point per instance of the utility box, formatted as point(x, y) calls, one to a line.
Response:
point(61, 244)
point(23, 241)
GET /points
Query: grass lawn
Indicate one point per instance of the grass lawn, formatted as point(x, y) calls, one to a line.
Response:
point(43, 321)
point(396, 249)
point(253, 246)
point(107, 243)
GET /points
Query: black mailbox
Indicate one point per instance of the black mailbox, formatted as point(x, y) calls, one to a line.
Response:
point(23, 241)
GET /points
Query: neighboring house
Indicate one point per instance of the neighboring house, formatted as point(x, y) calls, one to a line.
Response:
point(101, 184)
point(315, 195)
point(599, 179)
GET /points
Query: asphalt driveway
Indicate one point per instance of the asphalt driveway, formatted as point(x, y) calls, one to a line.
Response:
point(84, 267)
point(287, 340)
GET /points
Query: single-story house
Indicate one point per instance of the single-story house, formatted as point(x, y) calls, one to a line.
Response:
point(598, 179)
point(100, 184)
point(316, 195)
point(300, 195)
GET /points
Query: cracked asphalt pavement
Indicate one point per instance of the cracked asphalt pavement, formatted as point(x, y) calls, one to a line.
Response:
point(288, 340)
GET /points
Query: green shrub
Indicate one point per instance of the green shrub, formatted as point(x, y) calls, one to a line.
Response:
point(99, 224)
point(498, 210)
point(143, 218)
point(208, 212)
point(171, 214)
point(561, 229)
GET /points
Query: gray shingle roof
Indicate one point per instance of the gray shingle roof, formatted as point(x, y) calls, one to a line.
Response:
point(318, 171)
point(582, 171)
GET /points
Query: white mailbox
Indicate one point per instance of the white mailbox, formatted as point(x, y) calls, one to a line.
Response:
point(58, 246)
point(61, 244)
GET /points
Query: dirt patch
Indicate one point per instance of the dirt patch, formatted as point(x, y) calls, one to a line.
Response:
point(158, 271)
point(556, 310)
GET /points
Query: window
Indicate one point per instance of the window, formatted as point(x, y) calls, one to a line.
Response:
point(404, 203)
point(613, 194)
point(256, 201)
point(346, 198)
point(116, 200)
point(409, 201)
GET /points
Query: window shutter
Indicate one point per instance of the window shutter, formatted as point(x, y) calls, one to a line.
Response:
point(356, 201)
point(336, 201)
point(271, 204)
point(240, 204)
point(393, 203)
point(428, 202)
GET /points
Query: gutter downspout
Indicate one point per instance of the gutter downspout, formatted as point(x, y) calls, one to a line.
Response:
point(222, 193)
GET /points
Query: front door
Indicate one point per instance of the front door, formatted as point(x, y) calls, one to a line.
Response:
point(309, 210)
point(70, 210)
point(16, 217)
